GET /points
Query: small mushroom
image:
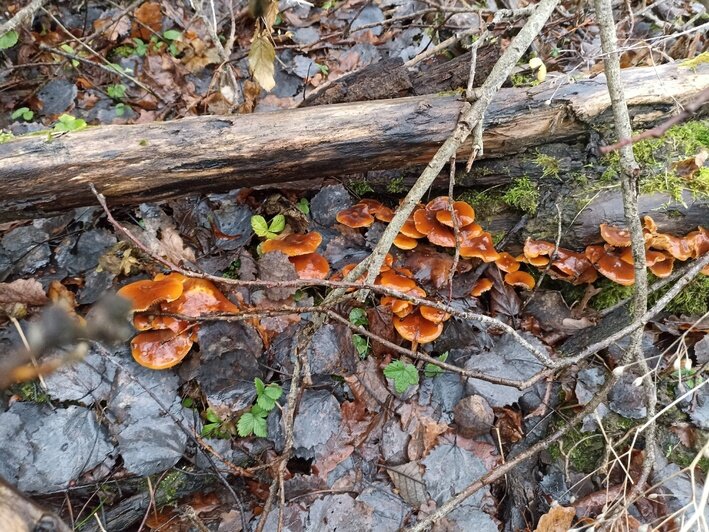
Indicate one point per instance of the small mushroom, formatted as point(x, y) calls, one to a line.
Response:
point(393, 280)
point(520, 279)
point(611, 266)
point(537, 248)
point(464, 214)
point(615, 236)
point(433, 314)
point(310, 266)
point(399, 307)
point(409, 229)
point(680, 248)
point(417, 329)
point(294, 244)
point(200, 297)
point(481, 286)
point(480, 247)
point(572, 267)
point(147, 322)
point(355, 216)
point(405, 242)
point(161, 349)
point(378, 210)
point(146, 293)
point(437, 233)
point(506, 262)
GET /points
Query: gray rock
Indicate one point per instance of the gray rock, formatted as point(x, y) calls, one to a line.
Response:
point(507, 359)
point(698, 409)
point(449, 469)
point(15, 449)
point(88, 381)
point(627, 399)
point(331, 352)
point(369, 15)
point(95, 285)
point(233, 220)
point(588, 382)
point(27, 249)
point(318, 419)
point(390, 512)
point(394, 442)
point(337, 512)
point(474, 416)
point(149, 440)
point(328, 202)
point(56, 96)
point(59, 445)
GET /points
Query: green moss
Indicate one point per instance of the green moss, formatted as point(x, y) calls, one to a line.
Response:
point(657, 156)
point(360, 186)
point(523, 194)
point(692, 300)
point(584, 451)
point(396, 185)
point(6, 136)
point(550, 166)
point(232, 271)
point(167, 490)
point(611, 293)
point(30, 392)
point(487, 203)
point(694, 62)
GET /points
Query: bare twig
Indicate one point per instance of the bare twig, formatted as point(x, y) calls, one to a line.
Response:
point(26, 14)
point(629, 180)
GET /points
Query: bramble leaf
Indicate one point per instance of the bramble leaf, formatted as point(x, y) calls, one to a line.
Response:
point(403, 375)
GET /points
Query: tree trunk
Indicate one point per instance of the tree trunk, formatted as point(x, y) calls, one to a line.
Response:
point(20, 514)
point(137, 163)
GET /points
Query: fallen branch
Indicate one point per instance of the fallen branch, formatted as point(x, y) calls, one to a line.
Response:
point(26, 14)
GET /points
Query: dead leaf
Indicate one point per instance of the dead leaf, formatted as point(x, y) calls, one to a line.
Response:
point(688, 168)
point(148, 14)
point(408, 480)
point(261, 60)
point(172, 246)
point(25, 291)
point(557, 519)
point(509, 423)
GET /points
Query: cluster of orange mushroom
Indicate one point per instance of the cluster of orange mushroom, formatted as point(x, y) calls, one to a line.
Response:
point(300, 249)
point(444, 223)
point(164, 341)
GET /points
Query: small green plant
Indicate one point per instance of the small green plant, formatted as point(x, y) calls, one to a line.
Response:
point(303, 206)
point(523, 194)
point(396, 185)
point(6, 136)
point(69, 123)
point(172, 37)
point(550, 165)
point(431, 370)
point(359, 318)
point(267, 230)
point(403, 375)
point(141, 48)
point(116, 91)
point(689, 376)
point(8, 40)
point(215, 426)
point(360, 187)
point(23, 112)
point(70, 50)
point(121, 109)
point(232, 271)
point(254, 421)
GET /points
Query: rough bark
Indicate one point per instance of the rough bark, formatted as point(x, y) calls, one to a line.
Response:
point(20, 514)
point(137, 163)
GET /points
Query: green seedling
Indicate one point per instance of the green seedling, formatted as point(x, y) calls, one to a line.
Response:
point(68, 123)
point(23, 112)
point(254, 421)
point(8, 40)
point(267, 230)
point(359, 318)
point(431, 370)
point(403, 375)
point(303, 206)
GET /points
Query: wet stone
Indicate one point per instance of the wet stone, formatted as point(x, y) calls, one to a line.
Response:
point(474, 416)
point(394, 443)
point(27, 249)
point(627, 399)
point(56, 445)
point(317, 420)
point(331, 351)
point(56, 96)
point(96, 284)
point(87, 381)
point(328, 202)
point(149, 440)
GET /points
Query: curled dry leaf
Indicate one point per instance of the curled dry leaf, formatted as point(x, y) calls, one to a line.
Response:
point(557, 519)
point(261, 60)
point(408, 480)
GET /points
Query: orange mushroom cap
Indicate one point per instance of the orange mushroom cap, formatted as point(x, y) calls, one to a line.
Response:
point(480, 247)
point(662, 268)
point(416, 328)
point(699, 242)
point(615, 236)
point(506, 262)
point(437, 233)
point(433, 315)
point(294, 244)
point(355, 216)
point(393, 280)
point(160, 349)
point(405, 242)
point(574, 267)
point(679, 247)
point(310, 266)
point(378, 210)
point(199, 297)
point(481, 286)
point(464, 213)
point(144, 294)
point(536, 248)
point(399, 307)
point(409, 229)
point(611, 266)
point(521, 279)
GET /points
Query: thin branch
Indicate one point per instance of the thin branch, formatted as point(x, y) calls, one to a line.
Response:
point(26, 14)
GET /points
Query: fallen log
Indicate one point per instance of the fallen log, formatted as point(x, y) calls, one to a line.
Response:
point(137, 163)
